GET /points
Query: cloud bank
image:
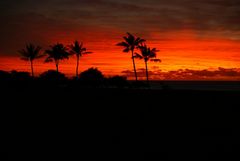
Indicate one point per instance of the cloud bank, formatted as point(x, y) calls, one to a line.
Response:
point(188, 74)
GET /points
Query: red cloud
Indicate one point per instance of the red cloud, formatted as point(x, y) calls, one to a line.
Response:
point(188, 74)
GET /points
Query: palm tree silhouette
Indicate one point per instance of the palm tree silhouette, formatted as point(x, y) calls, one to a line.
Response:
point(56, 53)
point(130, 44)
point(147, 54)
point(30, 54)
point(79, 51)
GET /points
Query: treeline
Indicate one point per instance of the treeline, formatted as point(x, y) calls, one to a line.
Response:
point(57, 52)
point(91, 77)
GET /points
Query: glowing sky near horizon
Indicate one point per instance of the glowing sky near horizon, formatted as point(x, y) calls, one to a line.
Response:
point(198, 35)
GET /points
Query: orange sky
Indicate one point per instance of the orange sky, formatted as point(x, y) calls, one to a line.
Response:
point(178, 50)
point(190, 34)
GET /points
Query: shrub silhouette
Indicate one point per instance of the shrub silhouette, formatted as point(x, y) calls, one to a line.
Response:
point(118, 81)
point(52, 75)
point(91, 75)
point(4, 76)
point(20, 76)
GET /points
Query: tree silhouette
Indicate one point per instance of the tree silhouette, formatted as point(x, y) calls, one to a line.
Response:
point(91, 75)
point(4, 76)
point(130, 44)
point(30, 54)
point(118, 81)
point(56, 53)
point(79, 51)
point(52, 75)
point(147, 54)
point(20, 76)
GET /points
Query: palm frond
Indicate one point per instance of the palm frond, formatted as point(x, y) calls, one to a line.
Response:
point(57, 52)
point(48, 59)
point(78, 49)
point(139, 41)
point(130, 37)
point(152, 55)
point(127, 40)
point(130, 42)
point(83, 49)
point(124, 44)
point(148, 54)
point(37, 50)
point(30, 52)
point(155, 50)
point(126, 50)
point(138, 56)
point(41, 56)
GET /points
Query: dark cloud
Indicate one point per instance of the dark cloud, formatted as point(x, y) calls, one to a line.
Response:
point(171, 14)
point(26, 19)
point(29, 27)
point(187, 74)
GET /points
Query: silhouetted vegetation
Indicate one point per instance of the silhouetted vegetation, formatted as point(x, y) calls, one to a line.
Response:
point(129, 44)
point(52, 75)
point(92, 74)
point(118, 81)
point(57, 53)
point(20, 76)
point(4, 76)
point(92, 77)
point(129, 122)
point(147, 54)
point(30, 54)
point(78, 50)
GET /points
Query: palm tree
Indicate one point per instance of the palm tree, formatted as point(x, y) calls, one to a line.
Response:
point(147, 54)
point(30, 54)
point(130, 44)
point(79, 51)
point(56, 53)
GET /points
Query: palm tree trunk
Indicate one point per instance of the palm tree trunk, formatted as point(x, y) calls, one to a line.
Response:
point(134, 66)
point(57, 66)
point(77, 66)
point(146, 71)
point(32, 68)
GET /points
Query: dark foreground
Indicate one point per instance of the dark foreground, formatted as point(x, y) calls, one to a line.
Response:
point(59, 122)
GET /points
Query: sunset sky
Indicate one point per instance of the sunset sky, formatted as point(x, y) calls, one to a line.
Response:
point(197, 39)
